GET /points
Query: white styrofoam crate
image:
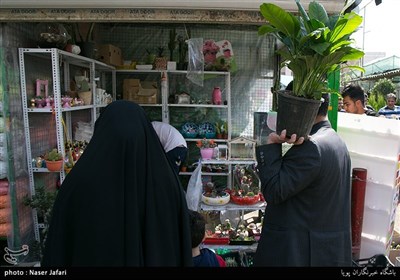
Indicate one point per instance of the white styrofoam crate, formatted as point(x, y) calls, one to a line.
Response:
point(379, 170)
point(374, 144)
point(370, 135)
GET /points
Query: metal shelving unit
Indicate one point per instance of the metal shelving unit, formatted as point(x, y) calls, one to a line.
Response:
point(53, 65)
point(169, 109)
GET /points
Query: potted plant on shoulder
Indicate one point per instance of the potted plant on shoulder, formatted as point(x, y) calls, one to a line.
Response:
point(54, 160)
point(314, 45)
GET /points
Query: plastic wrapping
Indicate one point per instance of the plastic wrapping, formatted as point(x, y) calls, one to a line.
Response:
point(196, 61)
point(194, 190)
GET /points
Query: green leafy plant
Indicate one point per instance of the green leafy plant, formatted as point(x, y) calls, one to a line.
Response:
point(84, 86)
point(206, 143)
point(376, 101)
point(224, 127)
point(314, 43)
point(172, 43)
point(383, 87)
point(89, 34)
point(150, 56)
point(160, 51)
point(183, 48)
point(42, 201)
point(53, 155)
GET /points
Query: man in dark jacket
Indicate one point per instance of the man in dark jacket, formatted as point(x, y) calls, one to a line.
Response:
point(308, 192)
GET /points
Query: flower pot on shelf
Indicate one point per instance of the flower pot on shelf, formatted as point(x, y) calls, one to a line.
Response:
point(86, 96)
point(221, 199)
point(207, 153)
point(54, 160)
point(244, 200)
point(54, 166)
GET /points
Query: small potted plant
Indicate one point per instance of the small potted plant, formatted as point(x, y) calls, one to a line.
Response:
point(315, 44)
point(54, 160)
point(218, 131)
point(206, 148)
point(224, 130)
point(160, 61)
point(214, 195)
point(221, 129)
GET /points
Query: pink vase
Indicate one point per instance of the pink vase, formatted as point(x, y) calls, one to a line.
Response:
point(217, 96)
point(207, 153)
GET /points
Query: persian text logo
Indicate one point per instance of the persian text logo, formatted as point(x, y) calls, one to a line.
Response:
point(10, 255)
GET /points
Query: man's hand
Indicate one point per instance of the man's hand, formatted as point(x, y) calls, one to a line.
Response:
point(274, 138)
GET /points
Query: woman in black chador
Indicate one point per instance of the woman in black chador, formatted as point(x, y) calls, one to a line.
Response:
point(121, 204)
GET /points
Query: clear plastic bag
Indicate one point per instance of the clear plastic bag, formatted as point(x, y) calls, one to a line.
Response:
point(194, 190)
point(196, 61)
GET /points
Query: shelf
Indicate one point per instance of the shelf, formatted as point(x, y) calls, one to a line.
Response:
point(182, 72)
point(228, 162)
point(71, 58)
point(50, 110)
point(199, 106)
point(233, 206)
point(54, 65)
point(139, 71)
point(150, 105)
point(198, 139)
point(248, 248)
point(206, 173)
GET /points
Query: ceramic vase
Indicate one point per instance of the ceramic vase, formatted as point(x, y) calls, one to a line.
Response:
point(217, 96)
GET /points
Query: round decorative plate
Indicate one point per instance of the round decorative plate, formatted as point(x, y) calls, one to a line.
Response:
point(207, 130)
point(190, 130)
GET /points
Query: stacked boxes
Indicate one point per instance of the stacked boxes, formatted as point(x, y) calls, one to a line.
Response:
point(145, 93)
point(110, 54)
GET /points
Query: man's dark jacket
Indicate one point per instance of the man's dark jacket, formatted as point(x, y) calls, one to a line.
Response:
point(308, 194)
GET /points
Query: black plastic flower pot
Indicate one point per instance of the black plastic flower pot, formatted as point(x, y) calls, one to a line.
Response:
point(296, 114)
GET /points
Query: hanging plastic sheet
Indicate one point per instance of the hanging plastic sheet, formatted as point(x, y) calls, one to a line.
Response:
point(196, 61)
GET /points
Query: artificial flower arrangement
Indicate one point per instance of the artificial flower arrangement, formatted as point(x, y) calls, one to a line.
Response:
point(206, 143)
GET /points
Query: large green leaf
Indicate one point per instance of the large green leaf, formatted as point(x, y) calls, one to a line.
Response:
point(353, 54)
point(354, 67)
point(280, 19)
point(345, 26)
point(318, 12)
point(265, 29)
point(321, 48)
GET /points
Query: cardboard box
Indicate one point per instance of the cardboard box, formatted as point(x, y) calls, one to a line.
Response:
point(134, 91)
point(110, 54)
